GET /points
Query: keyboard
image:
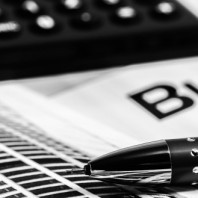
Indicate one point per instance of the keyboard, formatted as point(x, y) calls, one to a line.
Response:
point(42, 37)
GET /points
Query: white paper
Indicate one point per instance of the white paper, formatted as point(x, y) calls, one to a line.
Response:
point(40, 141)
point(34, 164)
point(191, 5)
point(107, 100)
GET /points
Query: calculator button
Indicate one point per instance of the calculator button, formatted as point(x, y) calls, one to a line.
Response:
point(126, 15)
point(165, 10)
point(85, 20)
point(72, 4)
point(9, 28)
point(45, 24)
point(30, 8)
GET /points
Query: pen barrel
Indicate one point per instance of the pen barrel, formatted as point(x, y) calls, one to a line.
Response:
point(184, 160)
point(173, 161)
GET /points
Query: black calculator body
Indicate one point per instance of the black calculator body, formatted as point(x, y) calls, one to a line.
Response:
point(41, 37)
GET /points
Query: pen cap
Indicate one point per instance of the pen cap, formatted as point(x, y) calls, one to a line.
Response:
point(153, 155)
point(184, 160)
point(147, 163)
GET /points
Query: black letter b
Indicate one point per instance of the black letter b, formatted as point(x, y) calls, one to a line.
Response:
point(153, 106)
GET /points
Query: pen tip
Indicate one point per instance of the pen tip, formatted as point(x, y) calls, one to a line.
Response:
point(75, 171)
point(87, 169)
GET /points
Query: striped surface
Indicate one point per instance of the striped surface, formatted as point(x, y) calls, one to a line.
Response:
point(37, 165)
point(34, 165)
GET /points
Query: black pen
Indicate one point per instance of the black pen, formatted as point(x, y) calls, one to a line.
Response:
point(173, 161)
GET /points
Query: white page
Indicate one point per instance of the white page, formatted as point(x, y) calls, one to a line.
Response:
point(39, 142)
point(191, 5)
point(52, 85)
point(107, 100)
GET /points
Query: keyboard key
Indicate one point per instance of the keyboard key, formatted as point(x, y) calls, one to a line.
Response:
point(44, 24)
point(126, 15)
point(165, 10)
point(9, 29)
point(72, 4)
point(29, 8)
point(86, 20)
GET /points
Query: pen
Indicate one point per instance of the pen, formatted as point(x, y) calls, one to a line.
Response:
point(173, 161)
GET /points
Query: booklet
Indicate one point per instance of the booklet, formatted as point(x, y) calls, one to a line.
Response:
point(40, 141)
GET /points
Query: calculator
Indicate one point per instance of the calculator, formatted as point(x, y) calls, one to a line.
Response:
point(42, 37)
